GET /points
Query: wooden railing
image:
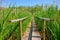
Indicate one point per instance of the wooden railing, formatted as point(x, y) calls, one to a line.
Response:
point(44, 25)
point(20, 25)
point(40, 18)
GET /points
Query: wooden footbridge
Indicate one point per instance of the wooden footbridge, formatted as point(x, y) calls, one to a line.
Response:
point(32, 32)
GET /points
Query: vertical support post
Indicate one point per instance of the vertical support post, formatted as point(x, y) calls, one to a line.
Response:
point(20, 29)
point(43, 29)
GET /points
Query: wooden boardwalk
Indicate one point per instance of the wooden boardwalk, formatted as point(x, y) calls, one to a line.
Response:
point(35, 32)
point(32, 33)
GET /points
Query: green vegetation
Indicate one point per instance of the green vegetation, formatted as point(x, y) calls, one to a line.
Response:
point(7, 29)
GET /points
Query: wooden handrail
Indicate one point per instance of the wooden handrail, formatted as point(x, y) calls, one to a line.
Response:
point(46, 19)
point(20, 25)
point(18, 19)
point(44, 25)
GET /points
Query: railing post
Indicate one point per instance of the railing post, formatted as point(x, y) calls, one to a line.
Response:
point(20, 28)
point(43, 29)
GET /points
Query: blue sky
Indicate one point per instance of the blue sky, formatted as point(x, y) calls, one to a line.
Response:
point(29, 2)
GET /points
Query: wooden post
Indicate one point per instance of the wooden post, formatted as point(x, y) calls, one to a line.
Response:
point(43, 29)
point(20, 28)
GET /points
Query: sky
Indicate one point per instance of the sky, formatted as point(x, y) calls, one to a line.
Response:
point(6, 3)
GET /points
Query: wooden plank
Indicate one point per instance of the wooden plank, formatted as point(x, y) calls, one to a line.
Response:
point(17, 19)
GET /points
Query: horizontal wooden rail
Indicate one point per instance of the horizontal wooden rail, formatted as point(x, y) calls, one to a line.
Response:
point(46, 19)
point(17, 19)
